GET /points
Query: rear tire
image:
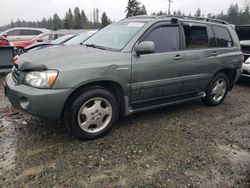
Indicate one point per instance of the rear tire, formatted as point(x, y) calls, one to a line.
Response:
point(92, 114)
point(217, 90)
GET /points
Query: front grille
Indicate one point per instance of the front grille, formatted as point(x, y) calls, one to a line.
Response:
point(15, 74)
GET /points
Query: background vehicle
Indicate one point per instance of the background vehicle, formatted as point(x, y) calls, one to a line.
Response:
point(246, 69)
point(42, 38)
point(53, 43)
point(4, 42)
point(78, 40)
point(137, 64)
point(243, 33)
point(22, 33)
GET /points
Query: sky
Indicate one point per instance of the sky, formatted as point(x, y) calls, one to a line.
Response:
point(32, 10)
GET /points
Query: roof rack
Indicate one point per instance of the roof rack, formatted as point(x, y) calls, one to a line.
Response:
point(141, 17)
point(195, 18)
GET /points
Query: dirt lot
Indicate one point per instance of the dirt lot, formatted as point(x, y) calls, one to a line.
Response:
point(188, 145)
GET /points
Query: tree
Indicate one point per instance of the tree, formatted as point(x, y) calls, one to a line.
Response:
point(143, 10)
point(198, 13)
point(84, 20)
point(69, 20)
point(233, 13)
point(133, 8)
point(77, 19)
point(105, 20)
point(57, 23)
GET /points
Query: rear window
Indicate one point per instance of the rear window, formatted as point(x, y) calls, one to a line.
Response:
point(196, 37)
point(223, 37)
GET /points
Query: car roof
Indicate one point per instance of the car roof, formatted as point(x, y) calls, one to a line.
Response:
point(29, 28)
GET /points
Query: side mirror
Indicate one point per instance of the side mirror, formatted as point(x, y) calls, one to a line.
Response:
point(146, 47)
point(5, 35)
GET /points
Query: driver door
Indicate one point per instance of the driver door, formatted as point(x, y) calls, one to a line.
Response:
point(158, 75)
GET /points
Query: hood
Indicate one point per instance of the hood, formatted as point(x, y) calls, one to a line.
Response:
point(66, 57)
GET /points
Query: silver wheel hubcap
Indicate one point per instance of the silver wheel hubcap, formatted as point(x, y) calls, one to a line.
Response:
point(219, 90)
point(95, 115)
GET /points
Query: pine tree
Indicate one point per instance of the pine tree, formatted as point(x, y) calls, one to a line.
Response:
point(84, 20)
point(198, 13)
point(133, 8)
point(77, 19)
point(143, 10)
point(57, 24)
point(105, 20)
point(69, 20)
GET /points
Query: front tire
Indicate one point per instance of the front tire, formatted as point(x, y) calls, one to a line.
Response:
point(92, 114)
point(217, 90)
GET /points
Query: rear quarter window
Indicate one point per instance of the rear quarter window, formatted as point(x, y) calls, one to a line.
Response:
point(223, 37)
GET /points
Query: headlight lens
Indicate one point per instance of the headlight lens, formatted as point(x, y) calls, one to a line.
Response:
point(41, 79)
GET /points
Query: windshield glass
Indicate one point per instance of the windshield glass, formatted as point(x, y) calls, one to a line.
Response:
point(61, 39)
point(116, 35)
point(78, 39)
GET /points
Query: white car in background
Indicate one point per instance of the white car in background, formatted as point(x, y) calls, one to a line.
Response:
point(22, 33)
point(246, 69)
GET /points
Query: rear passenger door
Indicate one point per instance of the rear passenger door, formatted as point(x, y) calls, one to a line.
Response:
point(200, 57)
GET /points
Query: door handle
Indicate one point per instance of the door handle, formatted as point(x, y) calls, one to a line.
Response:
point(178, 57)
point(214, 53)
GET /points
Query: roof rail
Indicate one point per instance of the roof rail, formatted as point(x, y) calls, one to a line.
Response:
point(141, 17)
point(195, 18)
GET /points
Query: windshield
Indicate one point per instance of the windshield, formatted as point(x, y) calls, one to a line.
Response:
point(116, 35)
point(78, 39)
point(62, 39)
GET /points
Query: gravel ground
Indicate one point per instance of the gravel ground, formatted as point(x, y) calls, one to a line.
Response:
point(188, 145)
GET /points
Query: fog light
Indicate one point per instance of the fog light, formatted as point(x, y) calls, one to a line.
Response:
point(24, 103)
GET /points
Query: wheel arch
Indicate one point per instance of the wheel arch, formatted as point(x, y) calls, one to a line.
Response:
point(112, 86)
point(230, 72)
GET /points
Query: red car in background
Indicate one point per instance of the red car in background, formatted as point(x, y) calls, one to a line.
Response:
point(42, 38)
point(4, 42)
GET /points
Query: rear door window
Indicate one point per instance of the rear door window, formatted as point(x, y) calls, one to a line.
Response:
point(196, 37)
point(30, 32)
point(166, 38)
point(223, 37)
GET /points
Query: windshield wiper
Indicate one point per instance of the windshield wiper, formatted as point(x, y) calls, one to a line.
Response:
point(96, 46)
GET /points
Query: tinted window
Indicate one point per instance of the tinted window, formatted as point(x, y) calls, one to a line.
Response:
point(14, 32)
point(166, 39)
point(30, 32)
point(196, 37)
point(223, 37)
point(211, 37)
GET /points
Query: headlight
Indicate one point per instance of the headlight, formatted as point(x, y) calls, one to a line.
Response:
point(41, 79)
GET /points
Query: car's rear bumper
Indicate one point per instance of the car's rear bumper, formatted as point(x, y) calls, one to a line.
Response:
point(45, 103)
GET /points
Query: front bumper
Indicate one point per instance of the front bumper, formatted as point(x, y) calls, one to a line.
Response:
point(44, 103)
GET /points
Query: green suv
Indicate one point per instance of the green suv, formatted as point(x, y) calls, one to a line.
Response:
point(137, 64)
